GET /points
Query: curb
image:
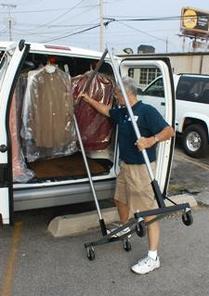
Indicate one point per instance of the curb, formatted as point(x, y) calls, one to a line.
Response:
point(80, 223)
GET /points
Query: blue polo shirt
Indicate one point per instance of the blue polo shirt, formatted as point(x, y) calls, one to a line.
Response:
point(149, 121)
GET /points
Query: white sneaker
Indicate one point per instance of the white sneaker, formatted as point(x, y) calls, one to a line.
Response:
point(146, 265)
point(120, 233)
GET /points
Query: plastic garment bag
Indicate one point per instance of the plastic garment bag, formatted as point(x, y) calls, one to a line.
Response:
point(47, 116)
point(95, 128)
point(20, 171)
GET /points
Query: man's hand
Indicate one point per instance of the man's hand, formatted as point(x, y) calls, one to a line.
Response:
point(100, 107)
point(144, 143)
point(164, 135)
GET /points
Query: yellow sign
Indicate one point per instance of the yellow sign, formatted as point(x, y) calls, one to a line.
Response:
point(194, 22)
point(189, 19)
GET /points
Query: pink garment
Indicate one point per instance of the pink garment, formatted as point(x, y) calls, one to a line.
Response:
point(19, 170)
point(16, 161)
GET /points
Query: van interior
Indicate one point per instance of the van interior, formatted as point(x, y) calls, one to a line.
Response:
point(63, 167)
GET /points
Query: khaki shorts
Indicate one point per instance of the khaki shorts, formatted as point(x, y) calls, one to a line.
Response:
point(133, 187)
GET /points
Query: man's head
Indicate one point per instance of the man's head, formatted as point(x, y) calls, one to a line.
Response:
point(130, 88)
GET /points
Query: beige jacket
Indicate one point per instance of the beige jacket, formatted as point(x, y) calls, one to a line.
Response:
point(48, 109)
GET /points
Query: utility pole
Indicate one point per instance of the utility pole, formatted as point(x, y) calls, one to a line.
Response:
point(10, 19)
point(101, 47)
point(166, 45)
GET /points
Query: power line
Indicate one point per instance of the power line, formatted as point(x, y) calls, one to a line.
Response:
point(98, 25)
point(140, 31)
point(70, 26)
point(166, 18)
point(72, 34)
point(34, 11)
point(86, 10)
point(120, 20)
point(57, 26)
point(63, 14)
point(55, 19)
point(35, 32)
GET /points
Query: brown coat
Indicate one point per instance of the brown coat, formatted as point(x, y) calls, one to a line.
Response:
point(48, 109)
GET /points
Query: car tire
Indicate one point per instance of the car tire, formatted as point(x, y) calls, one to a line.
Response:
point(195, 141)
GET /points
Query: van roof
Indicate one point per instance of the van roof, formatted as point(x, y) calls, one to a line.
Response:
point(55, 49)
point(193, 75)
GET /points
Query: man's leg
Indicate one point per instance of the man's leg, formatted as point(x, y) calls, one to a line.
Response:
point(123, 211)
point(153, 234)
point(151, 261)
point(145, 201)
point(120, 197)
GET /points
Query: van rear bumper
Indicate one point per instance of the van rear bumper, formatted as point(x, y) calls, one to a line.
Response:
point(34, 198)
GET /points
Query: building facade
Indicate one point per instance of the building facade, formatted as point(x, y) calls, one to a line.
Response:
point(191, 62)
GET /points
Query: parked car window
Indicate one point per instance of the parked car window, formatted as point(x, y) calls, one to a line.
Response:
point(195, 89)
point(147, 75)
point(156, 89)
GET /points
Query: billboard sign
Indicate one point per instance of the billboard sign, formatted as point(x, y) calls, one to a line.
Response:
point(195, 22)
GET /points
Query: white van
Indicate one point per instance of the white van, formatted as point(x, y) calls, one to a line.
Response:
point(56, 180)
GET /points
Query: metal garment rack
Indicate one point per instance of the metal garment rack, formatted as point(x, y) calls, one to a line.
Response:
point(101, 220)
point(137, 224)
point(90, 78)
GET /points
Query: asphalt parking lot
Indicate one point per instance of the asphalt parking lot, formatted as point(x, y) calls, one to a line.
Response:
point(189, 175)
point(33, 263)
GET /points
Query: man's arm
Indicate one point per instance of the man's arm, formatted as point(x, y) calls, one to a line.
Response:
point(101, 108)
point(165, 134)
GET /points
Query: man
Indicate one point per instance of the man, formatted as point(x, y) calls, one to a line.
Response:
point(133, 190)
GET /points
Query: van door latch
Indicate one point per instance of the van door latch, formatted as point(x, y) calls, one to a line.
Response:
point(3, 148)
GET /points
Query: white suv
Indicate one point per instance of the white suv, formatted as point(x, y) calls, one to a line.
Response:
point(192, 112)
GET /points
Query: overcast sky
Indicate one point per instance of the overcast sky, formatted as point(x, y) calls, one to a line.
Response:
point(55, 21)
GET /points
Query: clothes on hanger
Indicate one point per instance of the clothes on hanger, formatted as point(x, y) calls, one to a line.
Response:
point(95, 128)
point(21, 173)
point(47, 115)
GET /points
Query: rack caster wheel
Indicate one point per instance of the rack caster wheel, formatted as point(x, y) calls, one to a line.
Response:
point(90, 253)
point(126, 245)
point(187, 218)
point(140, 228)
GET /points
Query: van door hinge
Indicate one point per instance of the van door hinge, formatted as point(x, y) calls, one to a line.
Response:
point(4, 175)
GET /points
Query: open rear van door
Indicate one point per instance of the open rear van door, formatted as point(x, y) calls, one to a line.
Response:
point(10, 65)
point(141, 68)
